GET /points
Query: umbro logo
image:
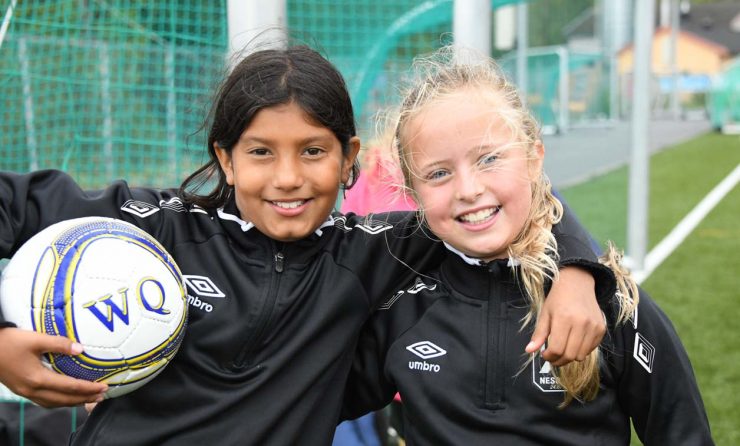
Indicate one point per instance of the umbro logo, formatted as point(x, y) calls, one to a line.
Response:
point(389, 303)
point(426, 350)
point(417, 287)
point(374, 227)
point(139, 208)
point(341, 223)
point(370, 226)
point(202, 286)
point(173, 204)
point(644, 352)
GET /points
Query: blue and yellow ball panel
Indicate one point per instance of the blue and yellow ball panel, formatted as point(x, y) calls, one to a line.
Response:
point(115, 290)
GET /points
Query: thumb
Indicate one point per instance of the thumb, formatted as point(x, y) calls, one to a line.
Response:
point(59, 344)
point(539, 336)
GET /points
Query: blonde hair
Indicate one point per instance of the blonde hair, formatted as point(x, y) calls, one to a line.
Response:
point(446, 72)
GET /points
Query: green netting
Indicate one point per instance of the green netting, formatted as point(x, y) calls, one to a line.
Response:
point(108, 89)
point(586, 95)
point(724, 98)
point(373, 44)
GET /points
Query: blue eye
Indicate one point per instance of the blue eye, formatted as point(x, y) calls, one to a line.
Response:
point(487, 160)
point(437, 174)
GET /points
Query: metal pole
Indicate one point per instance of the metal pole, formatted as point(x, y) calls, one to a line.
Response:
point(639, 166)
point(170, 71)
point(675, 21)
point(255, 24)
point(471, 24)
point(6, 21)
point(172, 152)
point(107, 108)
point(28, 109)
point(611, 26)
point(522, 42)
point(563, 89)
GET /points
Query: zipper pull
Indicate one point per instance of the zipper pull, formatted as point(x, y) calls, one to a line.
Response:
point(279, 262)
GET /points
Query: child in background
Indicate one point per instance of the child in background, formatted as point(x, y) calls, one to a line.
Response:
point(451, 341)
point(377, 188)
point(278, 286)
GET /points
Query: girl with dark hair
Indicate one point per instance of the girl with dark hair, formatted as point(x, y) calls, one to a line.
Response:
point(278, 285)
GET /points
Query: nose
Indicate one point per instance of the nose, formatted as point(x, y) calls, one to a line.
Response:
point(469, 187)
point(288, 174)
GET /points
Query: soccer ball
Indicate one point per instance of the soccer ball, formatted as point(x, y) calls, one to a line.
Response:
point(103, 283)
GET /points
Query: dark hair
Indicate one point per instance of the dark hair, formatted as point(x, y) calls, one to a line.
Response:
point(263, 79)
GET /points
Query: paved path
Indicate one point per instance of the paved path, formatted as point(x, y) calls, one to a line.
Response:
point(584, 153)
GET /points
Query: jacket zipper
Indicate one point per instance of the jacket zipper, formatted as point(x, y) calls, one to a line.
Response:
point(496, 342)
point(244, 359)
point(279, 257)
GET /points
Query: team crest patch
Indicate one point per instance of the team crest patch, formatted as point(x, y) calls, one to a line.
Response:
point(542, 376)
point(139, 208)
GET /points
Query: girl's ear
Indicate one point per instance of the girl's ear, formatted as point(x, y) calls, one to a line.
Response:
point(349, 159)
point(224, 159)
point(536, 163)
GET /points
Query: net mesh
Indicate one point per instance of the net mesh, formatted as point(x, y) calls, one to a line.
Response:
point(106, 89)
point(109, 89)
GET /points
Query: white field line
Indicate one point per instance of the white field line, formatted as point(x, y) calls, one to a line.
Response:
point(6, 21)
point(666, 246)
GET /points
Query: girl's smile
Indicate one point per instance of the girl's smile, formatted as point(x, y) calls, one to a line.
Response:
point(480, 219)
point(290, 208)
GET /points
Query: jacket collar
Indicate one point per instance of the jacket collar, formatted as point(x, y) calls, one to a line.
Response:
point(478, 279)
point(253, 242)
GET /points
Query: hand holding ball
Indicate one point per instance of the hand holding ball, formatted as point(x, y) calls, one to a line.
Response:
point(107, 285)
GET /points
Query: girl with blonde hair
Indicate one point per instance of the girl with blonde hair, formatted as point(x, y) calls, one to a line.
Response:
point(451, 342)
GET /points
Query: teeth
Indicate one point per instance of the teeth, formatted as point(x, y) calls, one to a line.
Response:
point(480, 216)
point(288, 204)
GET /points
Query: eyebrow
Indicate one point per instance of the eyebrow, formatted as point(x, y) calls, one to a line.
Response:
point(432, 165)
point(474, 150)
point(303, 142)
point(487, 147)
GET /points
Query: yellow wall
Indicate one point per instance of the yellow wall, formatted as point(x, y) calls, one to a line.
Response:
point(694, 56)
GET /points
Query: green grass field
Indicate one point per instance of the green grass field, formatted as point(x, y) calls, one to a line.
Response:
point(698, 286)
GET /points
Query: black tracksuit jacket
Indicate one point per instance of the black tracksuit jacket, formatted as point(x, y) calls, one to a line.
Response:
point(451, 343)
point(272, 326)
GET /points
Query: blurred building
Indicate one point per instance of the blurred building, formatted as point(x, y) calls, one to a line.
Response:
point(708, 38)
point(706, 42)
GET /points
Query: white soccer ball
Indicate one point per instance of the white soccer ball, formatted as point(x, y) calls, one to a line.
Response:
point(103, 283)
